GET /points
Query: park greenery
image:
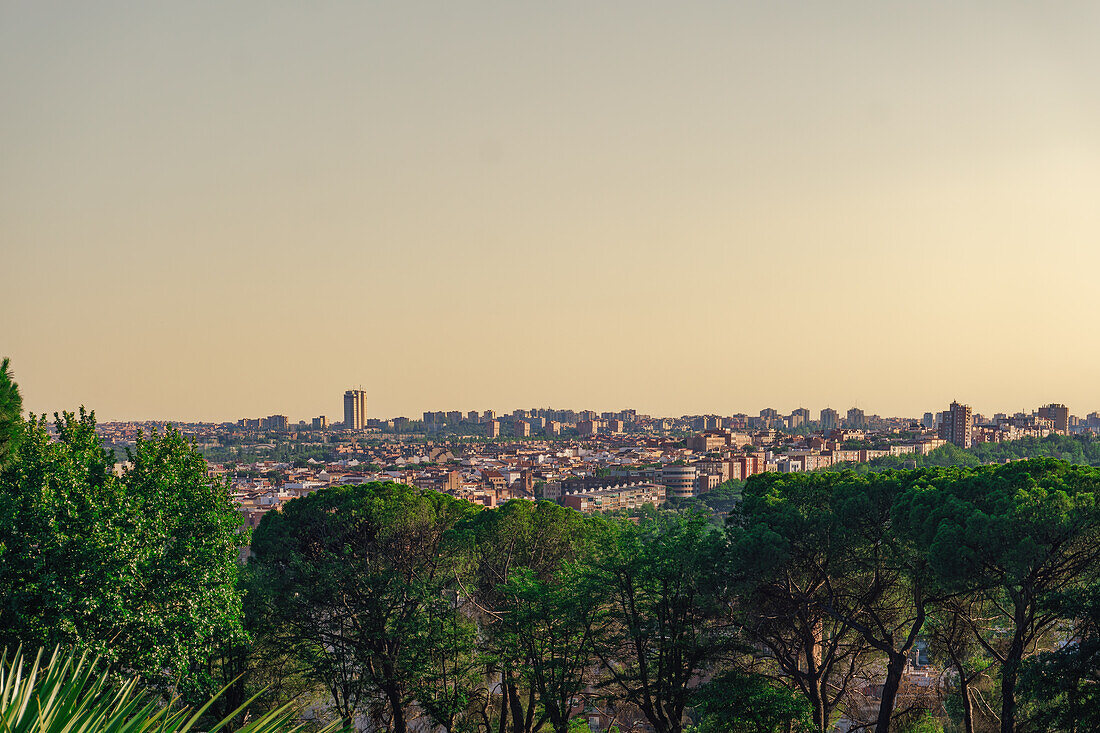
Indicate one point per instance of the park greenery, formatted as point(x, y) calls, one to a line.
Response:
point(393, 608)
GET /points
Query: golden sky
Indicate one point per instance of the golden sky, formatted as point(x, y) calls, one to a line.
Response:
point(211, 210)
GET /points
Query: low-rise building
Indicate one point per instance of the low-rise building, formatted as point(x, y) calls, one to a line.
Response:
point(618, 497)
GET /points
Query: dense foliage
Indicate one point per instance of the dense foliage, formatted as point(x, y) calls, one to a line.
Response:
point(140, 568)
point(1062, 686)
point(787, 603)
point(821, 584)
point(972, 560)
point(360, 585)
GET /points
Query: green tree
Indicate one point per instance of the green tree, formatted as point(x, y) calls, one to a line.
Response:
point(446, 679)
point(787, 559)
point(724, 497)
point(183, 607)
point(537, 541)
point(665, 594)
point(140, 568)
point(360, 583)
point(550, 624)
point(11, 410)
point(62, 515)
point(885, 588)
point(1061, 688)
point(1019, 534)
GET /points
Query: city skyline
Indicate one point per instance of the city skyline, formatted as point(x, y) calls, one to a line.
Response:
point(357, 417)
point(336, 410)
point(211, 211)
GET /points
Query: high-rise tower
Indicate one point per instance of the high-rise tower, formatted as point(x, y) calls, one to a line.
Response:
point(856, 418)
point(355, 409)
point(957, 425)
point(1059, 414)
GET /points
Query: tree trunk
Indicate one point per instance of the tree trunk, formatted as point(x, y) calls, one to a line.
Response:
point(675, 726)
point(655, 714)
point(660, 726)
point(529, 721)
point(347, 715)
point(968, 707)
point(894, 670)
point(1009, 674)
point(559, 721)
point(503, 703)
point(812, 636)
point(1008, 695)
point(818, 706)
point(393, 694)
point(964, 690)
point(516, 708)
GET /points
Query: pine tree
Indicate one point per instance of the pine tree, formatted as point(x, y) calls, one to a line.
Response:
point(11, 408)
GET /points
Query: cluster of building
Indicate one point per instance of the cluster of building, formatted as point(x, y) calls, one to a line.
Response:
point(952, 424)
point(583, 459)
point(623, 471)
point(959, 425)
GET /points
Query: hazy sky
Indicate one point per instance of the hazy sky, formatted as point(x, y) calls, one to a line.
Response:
point(211, 210)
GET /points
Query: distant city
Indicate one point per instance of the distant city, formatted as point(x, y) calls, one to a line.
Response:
point(957, 424)
point(591, 461)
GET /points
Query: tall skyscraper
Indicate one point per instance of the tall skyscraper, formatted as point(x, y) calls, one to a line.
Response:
point(958, 425)
point(355, 409)
point(830, 418)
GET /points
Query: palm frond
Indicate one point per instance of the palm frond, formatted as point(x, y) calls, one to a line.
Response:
point(71, 693)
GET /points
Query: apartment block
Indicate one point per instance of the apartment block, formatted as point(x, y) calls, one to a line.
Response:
point(958, 425)
point(621, 497)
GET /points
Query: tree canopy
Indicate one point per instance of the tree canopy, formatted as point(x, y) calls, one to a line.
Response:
point(11, 408)
point(359, 583)
point(139, 567)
